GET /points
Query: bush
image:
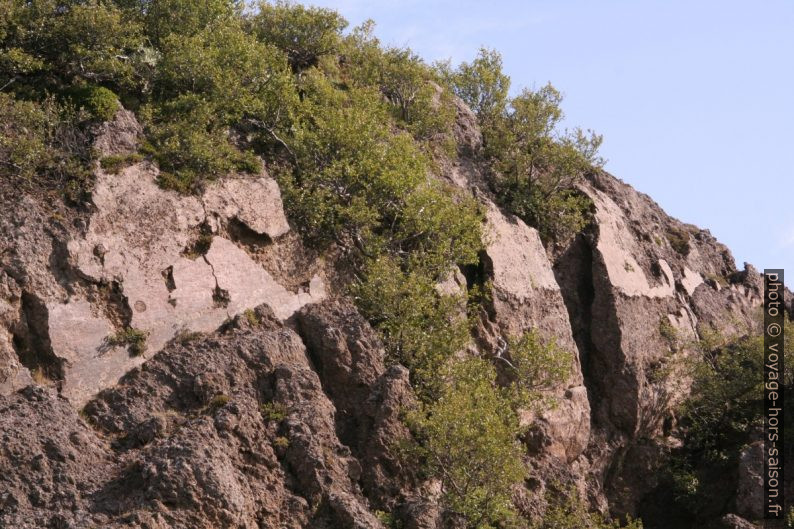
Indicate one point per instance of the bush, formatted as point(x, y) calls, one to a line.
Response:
point(679, 240)
point(217, 402)
point(51, 45)
point(481, 84)
point(304, 33)
point(421, 328)
point(113, 164)
point(720, 416)
point(537, 167)
point(351, 171)
point(273, 411)
point(568, 511)
point(100, 102)
point(44, 143)
point(240, 78)
point(134, 339)
point(418, 104)
point(163, 18)
point(469, 442)
point(536, 366)
point(190, 146)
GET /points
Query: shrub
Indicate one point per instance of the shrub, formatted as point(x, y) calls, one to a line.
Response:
point(351, 171)
point(668, 332)
point(100, 102)
point(251, 318)
point(469, 442)
point(281, 443)
point(134, 339)
point(53, 45)
point(232, 72)
point(718, 418)
point(43, 142)
point(162, 18)
point(217, 402)
point(418, 104)
point(537, 167)
point(536, 366)
point(481, 84)
point(679, 240)
point(304, 33)
point(273, 411)
point(115, 163)
point(420, 328)
point(568, 511)
point(190, 146)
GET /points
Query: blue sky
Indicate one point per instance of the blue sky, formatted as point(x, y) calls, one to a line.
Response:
point(695, 99)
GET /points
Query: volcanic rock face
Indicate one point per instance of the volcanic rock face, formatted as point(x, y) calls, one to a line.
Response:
point(258, 404)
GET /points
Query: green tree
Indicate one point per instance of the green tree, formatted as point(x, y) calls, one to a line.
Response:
point(481, 84)
point(162, 18)
point(49, 44)
point(535, 366)
point(469, 441)
point(421, 328)
point(190, 145)
point(44, 143)
point(537, 167)
point(305, 34)
point(568, 511)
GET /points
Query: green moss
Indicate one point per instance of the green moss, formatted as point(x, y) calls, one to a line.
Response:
point(115, 163)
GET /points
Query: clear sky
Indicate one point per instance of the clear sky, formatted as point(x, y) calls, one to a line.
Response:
point(695, 99)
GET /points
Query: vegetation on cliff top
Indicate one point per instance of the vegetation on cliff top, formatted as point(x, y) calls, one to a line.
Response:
point(353, 130)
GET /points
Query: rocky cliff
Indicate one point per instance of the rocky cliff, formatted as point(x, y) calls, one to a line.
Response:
point(260, 397)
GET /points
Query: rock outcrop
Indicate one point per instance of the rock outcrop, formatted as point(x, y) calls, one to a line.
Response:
point(264, 399)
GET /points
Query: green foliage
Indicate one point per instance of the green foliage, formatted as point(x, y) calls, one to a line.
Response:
point(668, 332)
point(351, 172)
point(418, 104)
point(115, 163)
point(304, 33)
point(190, 145)
point(723, 410)
point(420, 327)
point(469, 442)
point(536, 365)
point(51, 44)
point(98, 101)
point(134, 339)
point(481, 84)
point(468, 435)
point(44, 142)
point(251, 318)
point(568, 511)
point(679, 240)
point(237, 76)
point(537, 166)
point(217, 402)
point(273, 411)
point(388, 520)
point(163, 18)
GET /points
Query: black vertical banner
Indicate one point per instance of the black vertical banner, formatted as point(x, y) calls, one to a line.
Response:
point(774, 314)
